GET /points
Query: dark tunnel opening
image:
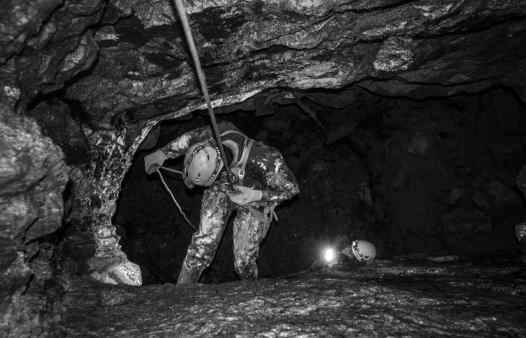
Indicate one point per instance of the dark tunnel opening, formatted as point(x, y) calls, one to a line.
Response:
point(415, 177)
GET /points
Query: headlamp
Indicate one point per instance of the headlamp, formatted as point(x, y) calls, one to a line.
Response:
point(329, 256)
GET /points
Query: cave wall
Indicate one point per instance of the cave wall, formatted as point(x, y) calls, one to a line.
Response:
point(428, 177)
point(45, 44)
point(33, 176)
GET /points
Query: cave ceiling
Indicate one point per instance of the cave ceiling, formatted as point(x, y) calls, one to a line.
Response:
point(128, 59)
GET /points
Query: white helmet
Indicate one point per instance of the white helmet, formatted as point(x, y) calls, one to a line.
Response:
point(202, 164)
point(363, 251)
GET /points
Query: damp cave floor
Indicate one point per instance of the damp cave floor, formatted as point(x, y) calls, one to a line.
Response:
point(388, 298)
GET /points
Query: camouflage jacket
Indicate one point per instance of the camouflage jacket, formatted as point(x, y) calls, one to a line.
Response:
point(265, 167)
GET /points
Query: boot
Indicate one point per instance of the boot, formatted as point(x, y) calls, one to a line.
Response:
point(247, 272)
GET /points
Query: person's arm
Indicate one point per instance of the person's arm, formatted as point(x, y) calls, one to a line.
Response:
point(176, 148)
point(179, 146)
point(280, 182)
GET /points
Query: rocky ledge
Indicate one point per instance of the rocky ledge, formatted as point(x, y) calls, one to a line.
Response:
point(387, 299)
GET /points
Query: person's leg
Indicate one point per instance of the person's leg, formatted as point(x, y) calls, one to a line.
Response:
point(250, 228)
point(215, 209)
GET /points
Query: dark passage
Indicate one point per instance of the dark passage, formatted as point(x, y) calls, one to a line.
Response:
point(428, 177)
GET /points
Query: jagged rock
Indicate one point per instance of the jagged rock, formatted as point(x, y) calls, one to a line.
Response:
point(55, 119)
point(95, 192)
point(22, 20)
point(385, 299)
point(32, 178)
point(416, 48)
point(43, 44)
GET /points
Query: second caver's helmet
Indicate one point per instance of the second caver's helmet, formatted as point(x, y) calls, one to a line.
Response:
point(363, 251)
point(202, 164)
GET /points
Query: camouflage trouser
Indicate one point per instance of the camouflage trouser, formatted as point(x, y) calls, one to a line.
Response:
point(250, 228)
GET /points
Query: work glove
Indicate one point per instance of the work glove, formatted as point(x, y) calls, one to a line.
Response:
point(154, 161)
point(242, 195)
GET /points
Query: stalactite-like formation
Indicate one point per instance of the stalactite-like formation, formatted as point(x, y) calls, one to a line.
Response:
point(96, 192)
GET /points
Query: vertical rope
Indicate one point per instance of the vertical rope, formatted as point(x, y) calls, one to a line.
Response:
point(202, 81)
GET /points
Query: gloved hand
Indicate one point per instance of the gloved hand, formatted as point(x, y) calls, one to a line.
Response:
point(154, 161)
point(242, 195)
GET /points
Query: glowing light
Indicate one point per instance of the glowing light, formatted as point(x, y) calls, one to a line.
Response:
point(329, 255)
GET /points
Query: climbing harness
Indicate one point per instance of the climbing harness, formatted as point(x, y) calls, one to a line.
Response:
point(240, 161)
point(202, 80)
point(172, 195)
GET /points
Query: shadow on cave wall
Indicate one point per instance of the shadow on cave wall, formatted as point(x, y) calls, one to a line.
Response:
point(434, 177)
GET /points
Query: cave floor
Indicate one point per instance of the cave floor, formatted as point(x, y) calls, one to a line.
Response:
point(404, 298)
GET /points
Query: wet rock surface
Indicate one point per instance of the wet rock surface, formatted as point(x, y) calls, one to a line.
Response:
point(410, 48)
point(93, 202)
point(32, 178)
point(410, 298)
point(44, 44)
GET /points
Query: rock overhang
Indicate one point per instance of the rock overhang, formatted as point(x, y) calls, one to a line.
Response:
point(415, 48)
